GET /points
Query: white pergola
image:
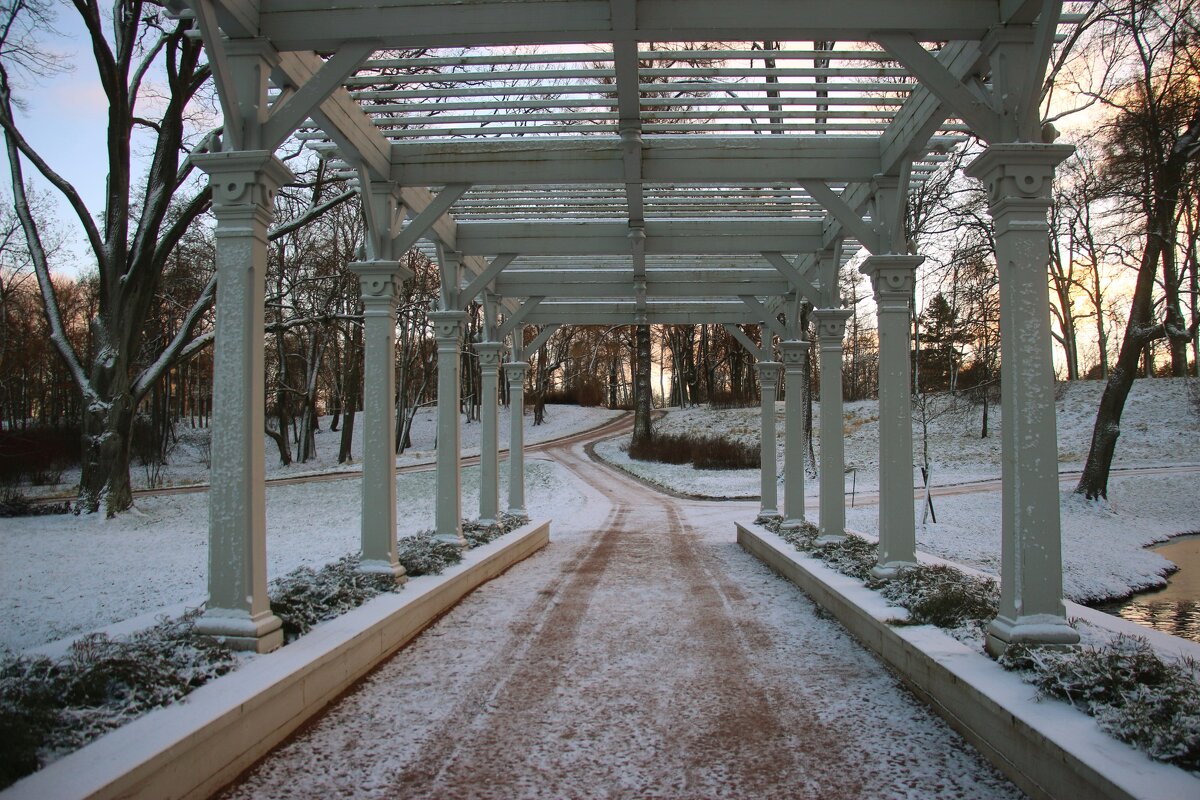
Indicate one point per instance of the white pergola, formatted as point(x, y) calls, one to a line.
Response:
point(619, 162)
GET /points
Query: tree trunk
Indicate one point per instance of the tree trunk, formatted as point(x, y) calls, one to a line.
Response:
point(642, 401)
point(351, 392)
point(106, 429)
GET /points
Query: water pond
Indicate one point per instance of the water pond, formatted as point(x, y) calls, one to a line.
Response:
point(1174, 609)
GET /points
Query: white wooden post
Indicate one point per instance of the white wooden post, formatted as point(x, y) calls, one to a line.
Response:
point(892, 277)
point(448, 511)
point(768, 381)
point(1019, 178)
point(489, 446)
point(379, 282)
point(795, 378)
point(243, 186)
point(514, 372)
point(831, 327)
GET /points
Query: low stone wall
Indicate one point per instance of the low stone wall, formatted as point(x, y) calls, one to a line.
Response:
point(1047, 748)
point(193, 748)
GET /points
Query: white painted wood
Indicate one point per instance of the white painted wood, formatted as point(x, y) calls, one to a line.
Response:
point(244, 186)
point(380, 284)
point(795, 442)
point(1019, 178)
point(892, 277)
point(831, 328)
point(514, 373)
point(768, 382)
point(448, 509)
point(489, 446)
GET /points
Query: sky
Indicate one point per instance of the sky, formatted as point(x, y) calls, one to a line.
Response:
point(65, 119)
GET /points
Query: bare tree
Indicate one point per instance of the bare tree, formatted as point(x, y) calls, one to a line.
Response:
point(139, 227)
point(1152, 146)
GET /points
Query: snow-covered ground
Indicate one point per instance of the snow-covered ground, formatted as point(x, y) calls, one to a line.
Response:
point(64, 575)
point(1103, 545)
point(188, 458)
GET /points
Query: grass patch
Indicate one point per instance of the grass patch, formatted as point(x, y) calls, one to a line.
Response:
point(702, 452)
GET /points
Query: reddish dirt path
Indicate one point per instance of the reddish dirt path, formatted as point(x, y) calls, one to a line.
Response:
point(642, 654)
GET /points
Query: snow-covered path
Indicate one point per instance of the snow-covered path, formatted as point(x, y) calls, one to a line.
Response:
point(641, 654)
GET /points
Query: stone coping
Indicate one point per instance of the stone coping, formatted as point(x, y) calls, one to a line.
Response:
point(194, 747)
point(1047, 748)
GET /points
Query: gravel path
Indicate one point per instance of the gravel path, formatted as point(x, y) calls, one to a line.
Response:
point(641, 654)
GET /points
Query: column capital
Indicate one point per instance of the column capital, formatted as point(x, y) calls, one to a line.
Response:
point(447, 325)
point(793, 351)
point(768, 373)
point(892, 276)
point(379, 281)
point(831, 326)
point(489, 353)
point(243, 177)
point(1019, 170)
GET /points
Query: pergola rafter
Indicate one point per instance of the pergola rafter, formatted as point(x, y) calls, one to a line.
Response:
point(564, 168)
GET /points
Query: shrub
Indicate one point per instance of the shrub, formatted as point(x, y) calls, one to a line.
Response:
point(478, 534)
point(38, 454)
point(702, 452)
point(1134, 695)
point(51, 706)
point(15, 504)
point(722, 400)
point(936, 594)
point(421, 554)
point(306, 596)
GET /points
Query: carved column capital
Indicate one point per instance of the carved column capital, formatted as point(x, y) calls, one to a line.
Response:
point(489, 354)
point(243, 178)
point(892, 278)
point(831, 326)
point(447, 325)
point(514, 372)
point(1019, 178)
point(768, 373)
point(793, 352)
point(379, 282)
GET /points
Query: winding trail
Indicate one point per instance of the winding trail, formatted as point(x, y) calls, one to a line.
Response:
point(641, 654)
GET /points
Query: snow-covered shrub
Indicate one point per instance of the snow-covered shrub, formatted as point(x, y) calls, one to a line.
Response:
point(306, 596)
point(850, 556)
point(478, 534)
point(937, 594)
point(421, 554)
point(49, 707)
point(1134, 694)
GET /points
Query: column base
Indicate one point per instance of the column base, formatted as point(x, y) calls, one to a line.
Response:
point(381, 567)
point(831, 538)
point(792, 524)
point(767, 514)
point(891, 569)
point(517, 512)
point(239, 631)
point(455, 539)
point(1048, 630)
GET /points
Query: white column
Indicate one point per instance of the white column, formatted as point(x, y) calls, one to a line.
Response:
point(768, 381)
point(795, 375)
point(514, 372)
point(489, 446)
point(379, 282)
point(447, 327)
point(831, 327)
point(243, 185)
point(892, 277)
point(1019, 177)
